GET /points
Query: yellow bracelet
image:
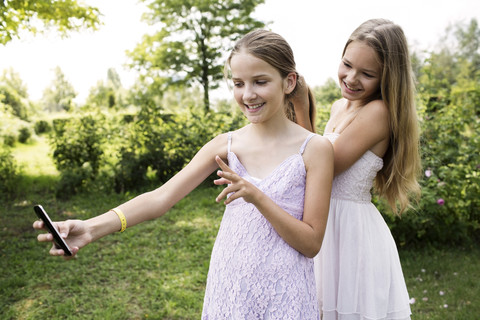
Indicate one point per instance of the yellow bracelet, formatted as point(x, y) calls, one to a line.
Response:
point(123, 220)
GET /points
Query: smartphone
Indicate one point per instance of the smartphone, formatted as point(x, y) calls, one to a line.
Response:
point(59, 241)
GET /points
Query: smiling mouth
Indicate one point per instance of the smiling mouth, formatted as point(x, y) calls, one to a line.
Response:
point(254, 106)
point(350, 88)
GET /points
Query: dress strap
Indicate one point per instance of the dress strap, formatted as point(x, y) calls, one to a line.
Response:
point(229, 141)
point(304, 145)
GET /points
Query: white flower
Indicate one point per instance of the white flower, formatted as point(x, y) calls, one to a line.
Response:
point(441, 293)
point(412, 301)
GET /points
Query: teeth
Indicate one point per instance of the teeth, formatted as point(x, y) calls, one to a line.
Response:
point(255, 106)
point(350, 88)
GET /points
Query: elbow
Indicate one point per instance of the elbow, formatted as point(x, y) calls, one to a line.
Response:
point(313, 250)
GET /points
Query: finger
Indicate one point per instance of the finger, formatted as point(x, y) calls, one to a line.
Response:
point(38, 225)
point(223, 165)
point(45, 237)
point(54, 251)
point(222, 195)
point(232, 197)
point(221, 181)
point(231, 176)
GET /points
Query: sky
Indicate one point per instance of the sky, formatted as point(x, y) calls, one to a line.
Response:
point(316, 30)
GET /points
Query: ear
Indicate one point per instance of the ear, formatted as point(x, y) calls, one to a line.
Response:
point(290, 82)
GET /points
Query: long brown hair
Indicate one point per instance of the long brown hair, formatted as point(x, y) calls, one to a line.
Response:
point(397, 181)
point(275, 50)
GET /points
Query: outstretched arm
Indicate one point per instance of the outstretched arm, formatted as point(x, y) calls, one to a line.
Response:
point(144, 207)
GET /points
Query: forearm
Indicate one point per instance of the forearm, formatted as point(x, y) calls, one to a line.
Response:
point(298, 234)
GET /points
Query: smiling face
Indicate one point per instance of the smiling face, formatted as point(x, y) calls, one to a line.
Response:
point(258, 87)
point(359, 73)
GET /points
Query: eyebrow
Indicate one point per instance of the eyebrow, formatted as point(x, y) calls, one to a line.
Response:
point(254, 77)
point(364, 70)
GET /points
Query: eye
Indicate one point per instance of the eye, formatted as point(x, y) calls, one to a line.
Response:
point(368, 75)
point(261, 82)
point(237, 84)
point(346, 64)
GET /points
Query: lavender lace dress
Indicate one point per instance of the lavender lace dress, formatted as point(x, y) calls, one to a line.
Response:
point(254, 273)
point(358, 270)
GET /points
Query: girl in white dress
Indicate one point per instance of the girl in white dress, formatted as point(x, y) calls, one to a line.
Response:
point(375, 136)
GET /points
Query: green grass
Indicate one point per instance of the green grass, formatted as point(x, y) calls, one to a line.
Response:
point(157, 270)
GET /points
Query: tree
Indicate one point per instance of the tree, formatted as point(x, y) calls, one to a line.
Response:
point(65, 15)
point(14, 95)
point(109, 94)
point(60, 94)
point(194, 36)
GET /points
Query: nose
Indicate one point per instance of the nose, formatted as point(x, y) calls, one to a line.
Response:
point(352, 76)
point(249, 93)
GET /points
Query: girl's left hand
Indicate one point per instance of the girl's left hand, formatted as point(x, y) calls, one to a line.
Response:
point(239, 187)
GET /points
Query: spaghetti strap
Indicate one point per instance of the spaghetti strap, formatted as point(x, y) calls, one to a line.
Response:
point(304, 145)
point(229, 141)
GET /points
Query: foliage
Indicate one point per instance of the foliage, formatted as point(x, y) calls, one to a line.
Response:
point(8, 174)
point(107, 95)
point(42, 126)
point(194, 36)
point(24, 134)
point(64, 15)
point(13, 94)
point(77, 149)
point(60, 94)
point(325, 96)
point(449, 92)
point(165, 143)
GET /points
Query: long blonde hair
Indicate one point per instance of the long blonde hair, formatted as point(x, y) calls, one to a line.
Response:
point(397, 181)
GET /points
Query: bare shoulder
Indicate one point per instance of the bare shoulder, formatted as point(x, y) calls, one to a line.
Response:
point(318, 150)
point(337, 106)
point(375, 110)
point(217, 146)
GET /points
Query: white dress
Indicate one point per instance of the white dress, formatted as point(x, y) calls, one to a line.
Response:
point(358, 272)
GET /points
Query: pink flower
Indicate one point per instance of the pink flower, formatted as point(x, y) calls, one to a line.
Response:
point(440, 202)
point(428, 173)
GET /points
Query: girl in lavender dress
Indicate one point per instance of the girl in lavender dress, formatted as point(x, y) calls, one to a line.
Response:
point(278, 182)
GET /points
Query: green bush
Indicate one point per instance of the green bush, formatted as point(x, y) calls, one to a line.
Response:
point(24, 134)
point(77, 151)
point(8, 174)
point(9, 139)
point(164, 143)
point(41, 126)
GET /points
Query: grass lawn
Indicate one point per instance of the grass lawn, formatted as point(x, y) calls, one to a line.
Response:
point(157, 270)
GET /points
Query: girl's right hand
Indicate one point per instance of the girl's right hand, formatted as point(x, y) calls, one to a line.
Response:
point(75, 233)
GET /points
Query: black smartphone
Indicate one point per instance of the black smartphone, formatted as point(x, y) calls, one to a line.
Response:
point(59, 241)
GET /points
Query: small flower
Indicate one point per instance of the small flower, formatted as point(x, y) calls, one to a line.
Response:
point(440, 202)
point(455, 273)
point(425, 299)
point(445, 305)
point(441, 183)
point(412, 301)
point(423, 270)
point(428, 173)
point(441, 293)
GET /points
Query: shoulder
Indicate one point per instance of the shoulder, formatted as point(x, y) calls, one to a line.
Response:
point(319, 150)
point(337, 106)
point(216, 146)
point(374, 111)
